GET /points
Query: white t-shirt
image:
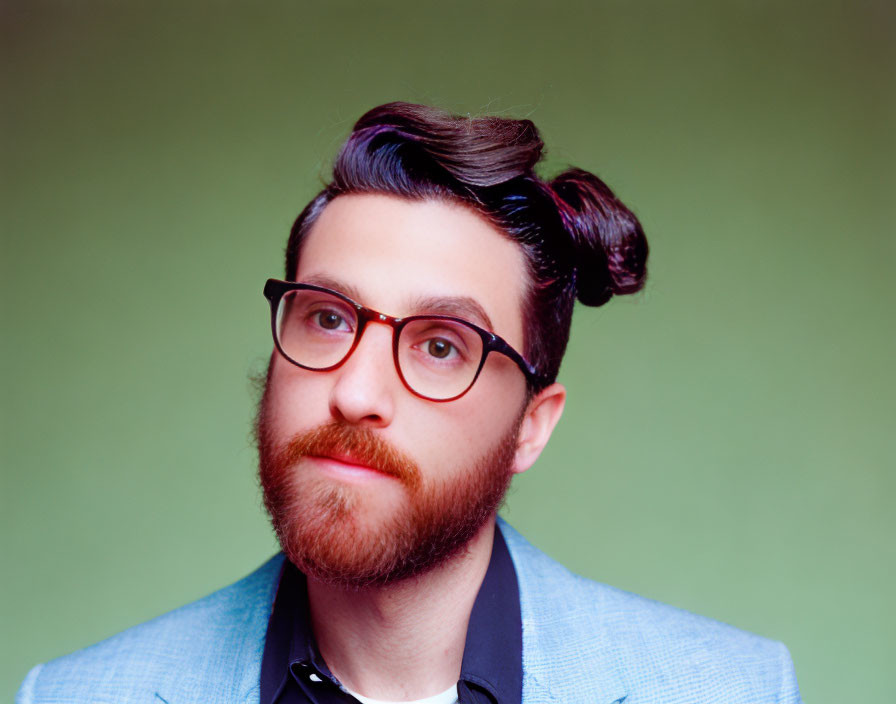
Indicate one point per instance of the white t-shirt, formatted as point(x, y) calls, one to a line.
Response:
point(449, 696)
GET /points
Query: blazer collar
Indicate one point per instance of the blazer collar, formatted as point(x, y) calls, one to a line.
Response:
point(562, 633)
point(239, 613)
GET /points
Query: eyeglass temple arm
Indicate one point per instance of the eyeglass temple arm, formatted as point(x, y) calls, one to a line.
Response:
point(532, 374)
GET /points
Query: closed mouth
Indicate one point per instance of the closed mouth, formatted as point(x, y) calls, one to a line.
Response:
point(351, 461)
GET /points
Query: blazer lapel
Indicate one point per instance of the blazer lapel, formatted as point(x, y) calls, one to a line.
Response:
point(567, 656)
point(230, 669)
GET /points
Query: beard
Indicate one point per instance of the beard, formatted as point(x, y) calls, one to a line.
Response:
point(317, 521)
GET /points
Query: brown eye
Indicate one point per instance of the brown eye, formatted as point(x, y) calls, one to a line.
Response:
point(329, 320)
point(439, 348)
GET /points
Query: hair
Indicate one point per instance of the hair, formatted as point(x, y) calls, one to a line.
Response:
point(578, 239)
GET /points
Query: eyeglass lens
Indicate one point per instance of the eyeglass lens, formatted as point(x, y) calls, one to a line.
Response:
point(437, 358)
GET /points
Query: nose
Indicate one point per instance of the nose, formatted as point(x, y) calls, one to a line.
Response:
point(364, 390)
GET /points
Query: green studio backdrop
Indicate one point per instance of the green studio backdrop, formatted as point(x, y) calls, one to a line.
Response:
point(727, 445)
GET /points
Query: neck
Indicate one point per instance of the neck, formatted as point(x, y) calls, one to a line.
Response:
point(405, 640)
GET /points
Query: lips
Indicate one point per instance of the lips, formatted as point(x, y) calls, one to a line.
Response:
point(348, 468)
point(352, 451)
point(349, 460)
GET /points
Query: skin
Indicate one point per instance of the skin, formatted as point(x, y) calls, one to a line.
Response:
point(405, 640)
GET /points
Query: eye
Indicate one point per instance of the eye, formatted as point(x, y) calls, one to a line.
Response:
point(440, 348)
point(329, 319)
point(439, 345)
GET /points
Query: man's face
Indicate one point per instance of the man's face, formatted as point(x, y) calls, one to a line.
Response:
point(366, 482)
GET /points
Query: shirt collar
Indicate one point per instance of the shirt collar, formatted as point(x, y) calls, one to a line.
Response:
point(493, 653)
point(492, 661)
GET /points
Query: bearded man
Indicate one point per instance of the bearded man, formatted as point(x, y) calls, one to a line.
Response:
point(418, 333)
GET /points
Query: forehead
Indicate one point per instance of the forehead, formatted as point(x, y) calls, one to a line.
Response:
point(394, 253)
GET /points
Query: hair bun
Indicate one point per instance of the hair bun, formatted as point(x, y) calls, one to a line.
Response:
point(610, 246)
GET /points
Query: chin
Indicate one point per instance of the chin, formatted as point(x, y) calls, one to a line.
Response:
point(377, 530)
point(334, 532)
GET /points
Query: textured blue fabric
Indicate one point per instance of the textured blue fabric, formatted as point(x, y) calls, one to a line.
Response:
point(587, 642)
point(582, 642)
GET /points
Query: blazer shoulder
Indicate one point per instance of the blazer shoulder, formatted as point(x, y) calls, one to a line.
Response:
point(224, 630)
point(632, 643)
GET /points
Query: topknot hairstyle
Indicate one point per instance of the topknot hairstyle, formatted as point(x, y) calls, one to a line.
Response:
point(578, 238)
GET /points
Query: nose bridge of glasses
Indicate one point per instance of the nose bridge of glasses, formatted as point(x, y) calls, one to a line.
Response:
point(367, 316)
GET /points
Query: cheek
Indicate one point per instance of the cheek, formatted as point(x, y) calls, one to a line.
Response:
point(447, 435)
point(295, 399)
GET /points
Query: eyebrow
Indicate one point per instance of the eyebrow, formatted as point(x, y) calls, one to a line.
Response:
point(456, 306)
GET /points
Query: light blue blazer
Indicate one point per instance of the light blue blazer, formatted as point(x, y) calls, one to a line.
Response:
point(582, 642)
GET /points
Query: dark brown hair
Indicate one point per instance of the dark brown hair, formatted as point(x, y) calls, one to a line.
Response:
point(579, 240)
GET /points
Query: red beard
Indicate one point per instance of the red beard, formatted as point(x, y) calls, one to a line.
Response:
point(314, 519)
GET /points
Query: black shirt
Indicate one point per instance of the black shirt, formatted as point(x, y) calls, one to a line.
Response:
point(293, 671)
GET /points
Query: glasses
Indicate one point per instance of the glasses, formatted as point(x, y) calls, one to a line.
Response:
point(438, 357)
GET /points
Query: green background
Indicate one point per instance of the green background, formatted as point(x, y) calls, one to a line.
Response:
point(728, 442)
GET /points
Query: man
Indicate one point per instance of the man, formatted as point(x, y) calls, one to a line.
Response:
point(417, 337)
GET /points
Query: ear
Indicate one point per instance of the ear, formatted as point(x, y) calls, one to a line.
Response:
point(542, 414)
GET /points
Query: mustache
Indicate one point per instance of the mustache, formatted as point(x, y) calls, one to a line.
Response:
point(361, 444)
